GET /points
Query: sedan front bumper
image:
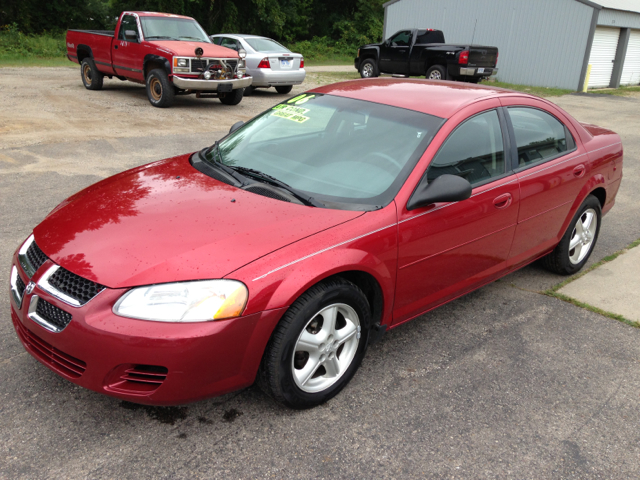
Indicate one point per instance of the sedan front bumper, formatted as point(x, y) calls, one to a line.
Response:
point(198, 84)
point(147, 362)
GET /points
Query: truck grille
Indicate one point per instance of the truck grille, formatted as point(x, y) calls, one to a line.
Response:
point(74, 286)
point(201, 64)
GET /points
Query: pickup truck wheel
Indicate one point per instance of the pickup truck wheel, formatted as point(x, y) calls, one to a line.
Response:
point(91, 77)
point(369, 69)
point(159, 89)
point(436, 72)
point(284, 89)
point(233, 98)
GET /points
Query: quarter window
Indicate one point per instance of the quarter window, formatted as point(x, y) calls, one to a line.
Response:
point(539, 136)
point(230, 43)
point(474, 151)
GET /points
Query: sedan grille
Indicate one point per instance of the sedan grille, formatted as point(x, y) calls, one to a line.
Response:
point(35, 256)
point(61, 362)
point(20, 286)
point(74, 286)
point(52, 314)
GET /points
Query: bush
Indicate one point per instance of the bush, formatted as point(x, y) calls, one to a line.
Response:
point(322, 49)
point(15, 43)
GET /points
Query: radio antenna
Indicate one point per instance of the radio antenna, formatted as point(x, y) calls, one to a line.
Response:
point(474, 31)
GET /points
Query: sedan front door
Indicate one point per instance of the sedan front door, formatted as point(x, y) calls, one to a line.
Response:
point(448, 249)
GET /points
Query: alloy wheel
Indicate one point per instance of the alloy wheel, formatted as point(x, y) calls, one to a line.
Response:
point(583, 236)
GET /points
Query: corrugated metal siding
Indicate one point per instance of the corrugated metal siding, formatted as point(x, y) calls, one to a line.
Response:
point(617, 18)
point(603, 52)
point(631, 69)
point(541, 43)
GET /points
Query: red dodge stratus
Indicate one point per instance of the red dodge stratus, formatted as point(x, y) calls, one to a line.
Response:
point(280, 252)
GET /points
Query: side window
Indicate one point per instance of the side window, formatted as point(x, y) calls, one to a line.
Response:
point(539, 136)
point(216, 40)
point(473, 151)
point(402, 39)
point(230, 43)
point(128, 23)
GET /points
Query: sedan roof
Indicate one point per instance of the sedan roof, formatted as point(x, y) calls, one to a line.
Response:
point(438, 98)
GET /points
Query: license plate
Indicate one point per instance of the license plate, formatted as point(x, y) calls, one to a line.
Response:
point(286, 62)
point(481, 70)
point(225, 88)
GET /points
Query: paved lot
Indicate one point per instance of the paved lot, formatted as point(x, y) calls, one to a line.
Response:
point(502, 383)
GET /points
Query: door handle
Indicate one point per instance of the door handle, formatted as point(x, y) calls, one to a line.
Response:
point(503, 201)
point(579, 171)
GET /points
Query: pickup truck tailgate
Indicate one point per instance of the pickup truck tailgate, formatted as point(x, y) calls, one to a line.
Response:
point(483, 56)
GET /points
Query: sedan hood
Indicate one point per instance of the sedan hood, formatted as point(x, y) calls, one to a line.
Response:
point(188, 49)
point(167, 222)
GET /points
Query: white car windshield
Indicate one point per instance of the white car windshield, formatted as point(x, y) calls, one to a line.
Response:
point(337, 150)
point(167, 28)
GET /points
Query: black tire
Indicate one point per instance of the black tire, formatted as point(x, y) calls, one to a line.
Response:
point(281, 362)
point(232, 98)
point(437, 72)
point(560, 259)
point(284, 89)
point(160, 90)
point(369, 69)
point(91, 77)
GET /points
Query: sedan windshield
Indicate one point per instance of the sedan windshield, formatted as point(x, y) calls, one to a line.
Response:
point(265, 45)
point(167, 28)
point(343, 152)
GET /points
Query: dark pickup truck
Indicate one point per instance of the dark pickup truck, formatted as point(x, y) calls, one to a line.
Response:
point(423, 52)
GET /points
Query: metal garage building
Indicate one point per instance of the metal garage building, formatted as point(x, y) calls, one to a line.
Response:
point(542, 42)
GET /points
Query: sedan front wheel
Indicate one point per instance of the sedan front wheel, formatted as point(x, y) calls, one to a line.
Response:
point(317, 346)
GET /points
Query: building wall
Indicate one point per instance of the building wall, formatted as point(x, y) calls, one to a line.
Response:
point(541, 42)
point(618, 18)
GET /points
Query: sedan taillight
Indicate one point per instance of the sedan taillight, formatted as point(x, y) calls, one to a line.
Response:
point(464, 57)
point(264, 63)
point(301, 62)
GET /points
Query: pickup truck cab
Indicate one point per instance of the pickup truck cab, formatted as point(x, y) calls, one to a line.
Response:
point(414, 52)
point(170, 54)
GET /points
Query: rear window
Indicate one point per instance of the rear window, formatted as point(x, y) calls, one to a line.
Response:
point(265, 45)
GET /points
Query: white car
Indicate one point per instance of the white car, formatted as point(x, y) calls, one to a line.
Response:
point(269, 63)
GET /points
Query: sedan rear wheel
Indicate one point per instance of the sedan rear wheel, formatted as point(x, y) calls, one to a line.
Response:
point(284, 89)
point(317, 346)
point(578, 242)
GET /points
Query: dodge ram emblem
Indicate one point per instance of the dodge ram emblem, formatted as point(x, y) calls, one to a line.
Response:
point(30, 288)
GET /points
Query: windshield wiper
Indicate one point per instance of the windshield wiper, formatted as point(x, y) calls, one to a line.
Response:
point(217, 162)
point(158, 37)
point(192, 38)
point(306, 199)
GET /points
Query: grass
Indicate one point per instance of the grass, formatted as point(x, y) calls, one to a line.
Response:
point(553, 291)
point(621, 91)
point(539, 91)
point(324, 78)
point(329, 60)
point(21, 61)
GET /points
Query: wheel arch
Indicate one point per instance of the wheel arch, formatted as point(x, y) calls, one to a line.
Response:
point(83, 51)
point(594, 186)
point(152, 61)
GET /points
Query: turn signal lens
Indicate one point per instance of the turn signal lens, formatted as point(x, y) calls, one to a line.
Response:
point(264, 63)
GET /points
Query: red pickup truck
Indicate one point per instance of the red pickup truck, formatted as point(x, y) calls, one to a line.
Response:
point(170, 54)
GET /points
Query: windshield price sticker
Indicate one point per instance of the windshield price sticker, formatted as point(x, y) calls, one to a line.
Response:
point(291, 108)
point(290, 116)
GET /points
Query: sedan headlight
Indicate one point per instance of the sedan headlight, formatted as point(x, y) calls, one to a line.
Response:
point(199, 301)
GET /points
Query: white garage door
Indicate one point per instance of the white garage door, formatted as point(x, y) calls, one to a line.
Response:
point(631, 68)
point(603, 53)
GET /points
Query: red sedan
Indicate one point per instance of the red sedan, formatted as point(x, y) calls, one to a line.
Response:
point(280, 252)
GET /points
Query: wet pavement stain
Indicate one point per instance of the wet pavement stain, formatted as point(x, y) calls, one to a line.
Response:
point(231, 415)
point(168, 415)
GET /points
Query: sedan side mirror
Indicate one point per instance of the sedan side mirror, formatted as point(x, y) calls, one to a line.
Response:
point(131, 35)
point(236, 126)
point(445, 188)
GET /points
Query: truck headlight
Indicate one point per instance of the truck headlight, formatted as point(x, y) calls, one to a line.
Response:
point(180, 62)
point(198, 301)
